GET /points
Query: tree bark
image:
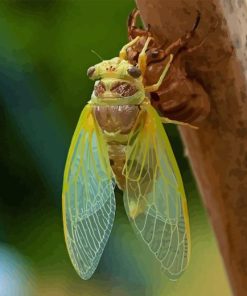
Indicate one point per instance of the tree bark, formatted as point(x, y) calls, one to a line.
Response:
point(218, 150)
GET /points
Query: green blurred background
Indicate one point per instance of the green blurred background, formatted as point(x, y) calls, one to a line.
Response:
point(45, 50)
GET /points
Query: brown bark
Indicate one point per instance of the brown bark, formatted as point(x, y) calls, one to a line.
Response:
point(218, 150)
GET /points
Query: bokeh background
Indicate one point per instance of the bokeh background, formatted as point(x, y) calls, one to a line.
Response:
point(45, 50)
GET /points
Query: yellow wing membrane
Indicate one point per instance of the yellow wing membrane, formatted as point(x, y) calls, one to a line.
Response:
point(154, 195)
point(88, 196)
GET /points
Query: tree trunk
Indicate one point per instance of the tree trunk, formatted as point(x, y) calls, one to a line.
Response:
point(218, 150)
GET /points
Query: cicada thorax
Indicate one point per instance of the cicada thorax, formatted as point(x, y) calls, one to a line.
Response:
point(180, 96)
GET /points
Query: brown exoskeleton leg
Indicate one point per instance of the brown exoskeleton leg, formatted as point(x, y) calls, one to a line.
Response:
point(132, 19)
point(133, 31)
point(214, 63)
point(156, 55)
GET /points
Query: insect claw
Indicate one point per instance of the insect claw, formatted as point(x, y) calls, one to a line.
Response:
point(94, 52)
point(132, 19)
point(197, 21)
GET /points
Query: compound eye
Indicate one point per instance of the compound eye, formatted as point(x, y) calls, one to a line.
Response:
point(134, 72)
point(90, 71)
point(99, 89)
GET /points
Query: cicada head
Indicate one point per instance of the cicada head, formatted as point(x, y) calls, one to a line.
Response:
point(117, 81)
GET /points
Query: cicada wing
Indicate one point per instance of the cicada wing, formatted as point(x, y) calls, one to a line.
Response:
point(154, 196)
point(88, 196)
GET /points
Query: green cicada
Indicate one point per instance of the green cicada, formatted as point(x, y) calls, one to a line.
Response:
point(120, 140)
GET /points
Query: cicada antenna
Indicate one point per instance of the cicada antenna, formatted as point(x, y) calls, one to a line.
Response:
point(94, 52)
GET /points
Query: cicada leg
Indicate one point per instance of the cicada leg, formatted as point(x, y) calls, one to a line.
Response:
point(123, 51)
point(156, 86)
point(142, 59)
point(167, 120)
point(132, 19)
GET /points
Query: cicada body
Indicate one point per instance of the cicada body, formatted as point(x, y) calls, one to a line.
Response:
point(120, 140)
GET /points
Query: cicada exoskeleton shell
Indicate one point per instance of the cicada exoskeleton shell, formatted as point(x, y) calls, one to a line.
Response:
point(180, 96)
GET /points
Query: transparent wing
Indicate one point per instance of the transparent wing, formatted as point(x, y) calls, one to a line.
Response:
point(88, 196)
point(154, 196)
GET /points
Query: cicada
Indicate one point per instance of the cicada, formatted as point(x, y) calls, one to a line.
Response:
point(120, 140)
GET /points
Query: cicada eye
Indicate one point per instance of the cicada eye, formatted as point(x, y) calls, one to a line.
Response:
point(99, 89)
point(90, 71)
point(134, 72)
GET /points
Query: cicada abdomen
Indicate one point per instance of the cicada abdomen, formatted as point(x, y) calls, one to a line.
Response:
point(117, 122)
point(179, 97)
